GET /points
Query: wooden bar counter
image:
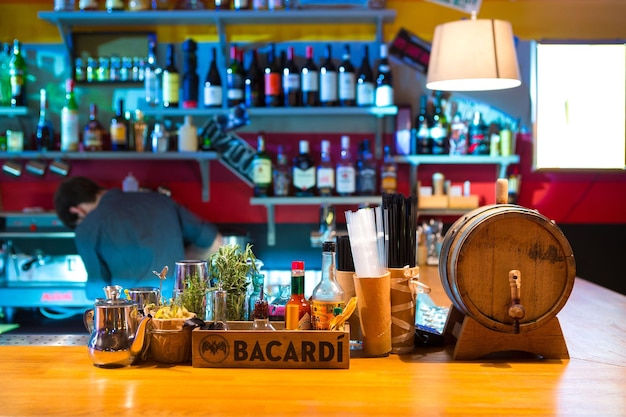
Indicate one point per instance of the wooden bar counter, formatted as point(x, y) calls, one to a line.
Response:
point(61, 381)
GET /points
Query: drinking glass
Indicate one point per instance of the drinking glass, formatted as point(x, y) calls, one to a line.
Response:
point(190, 269)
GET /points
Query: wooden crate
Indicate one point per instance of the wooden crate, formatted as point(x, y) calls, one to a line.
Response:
point(241, 347)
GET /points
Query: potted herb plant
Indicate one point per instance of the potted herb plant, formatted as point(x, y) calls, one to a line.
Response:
point(231, 268)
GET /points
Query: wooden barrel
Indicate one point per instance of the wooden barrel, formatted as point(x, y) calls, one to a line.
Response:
point(480, 249)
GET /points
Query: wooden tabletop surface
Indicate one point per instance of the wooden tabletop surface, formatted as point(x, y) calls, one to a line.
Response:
point(61, 381)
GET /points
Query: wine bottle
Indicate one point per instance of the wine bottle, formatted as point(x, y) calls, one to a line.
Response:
point(281, 175)
point(384, 86)
point(5, 77)
point(291, 81)
point(118, 129)
point(365, 81)
point(272, 80)
point(44, 137)
point(346, 80)
point(309, 80)
point(304, 171)
point(17, 74)
point(234, 78)
point(93, 132)
point(190, 75)
point(328, 80)
point(114, 5)
point(346, 174)
point(388, 173)
point(366, 171)
point(213, 93)
point(152, 76)
point(325, 172)
point(327, 294)
point(478, 138)
point(298, 308)
point(261, 169)
point(253, 89)
point(171, 80)
point(439, 132)
point(423, 141)
point(69, 119)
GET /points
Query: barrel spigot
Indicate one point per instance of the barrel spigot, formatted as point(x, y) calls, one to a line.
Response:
point(516, 310)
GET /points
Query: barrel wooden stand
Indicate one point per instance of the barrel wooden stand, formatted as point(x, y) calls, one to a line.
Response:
point(474, 341)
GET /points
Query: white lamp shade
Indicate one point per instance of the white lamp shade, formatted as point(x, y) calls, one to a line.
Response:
point(473, 55)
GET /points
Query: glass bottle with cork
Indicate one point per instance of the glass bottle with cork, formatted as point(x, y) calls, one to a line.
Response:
point(69, 119)
point(328, 294)
point(298, 308)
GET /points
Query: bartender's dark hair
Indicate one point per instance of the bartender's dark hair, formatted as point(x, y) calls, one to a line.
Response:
point(72, 192)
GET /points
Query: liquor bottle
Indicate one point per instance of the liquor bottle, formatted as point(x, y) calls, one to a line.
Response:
point(188, 136)
point(69, 119)
point(292, 90)
point(261, 169)
point(258, 280)
point(118, 129)
point(44, 137)
point(458, 136)
point(222, 4)
point(325, 172)
point(389, 173)
point(298, 308)
point(234, 78)
point(253, 88)
point(346, 174)
point(275, 4)
point(140, 128)
point(130, 130)
point(366, 175)
point(261, 316)
point(304, 171)
point(365, 81)
point(17, 74)
point(92, 135)
point(309, 80)
point(63, 5)
point(171, 80)
point(152, 76)
point(213, 92)
point(423, 141)
point(5, 76)
point(346, 79)
point(478, 136)
point(241, 4)
point(190, 75)
point(281, 175)
point(272, 80)
point(439, 132)
point(327, 294)
point(114, 5)
point(328, 80)
point(384, 86)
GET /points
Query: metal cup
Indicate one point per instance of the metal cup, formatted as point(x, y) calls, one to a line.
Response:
point(143, 295)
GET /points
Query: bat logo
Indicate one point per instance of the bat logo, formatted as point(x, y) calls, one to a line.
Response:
point(214, 348)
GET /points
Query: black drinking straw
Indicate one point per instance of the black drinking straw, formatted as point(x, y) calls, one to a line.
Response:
point(402, 221)
point(344, 254)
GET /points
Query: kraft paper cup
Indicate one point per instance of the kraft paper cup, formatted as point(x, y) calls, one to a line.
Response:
point(374, 307)
point(403, 300)
point(344, 278)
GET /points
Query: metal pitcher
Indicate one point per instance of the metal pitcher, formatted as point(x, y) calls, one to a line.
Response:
point(118, 330)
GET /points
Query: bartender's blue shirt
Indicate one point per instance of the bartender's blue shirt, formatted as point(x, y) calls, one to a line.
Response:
point(130, 234)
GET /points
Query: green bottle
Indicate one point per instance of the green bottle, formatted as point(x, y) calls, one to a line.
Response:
point(17, 72)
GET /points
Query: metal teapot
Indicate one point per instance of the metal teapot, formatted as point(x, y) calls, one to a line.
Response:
point(118, 330)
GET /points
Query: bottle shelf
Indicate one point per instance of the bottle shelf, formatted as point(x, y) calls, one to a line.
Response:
point(206, 17)
point(278, 111)
point(271, 202)
point(13, 111)
point(203, 159)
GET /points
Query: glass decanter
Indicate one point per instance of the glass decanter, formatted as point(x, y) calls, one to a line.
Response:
point(277, 306)
point(260, 316)
point(219, 307)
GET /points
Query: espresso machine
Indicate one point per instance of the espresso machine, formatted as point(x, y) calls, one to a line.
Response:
point(39, 266)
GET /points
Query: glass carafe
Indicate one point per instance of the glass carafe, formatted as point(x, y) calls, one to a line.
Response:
point(277, 306)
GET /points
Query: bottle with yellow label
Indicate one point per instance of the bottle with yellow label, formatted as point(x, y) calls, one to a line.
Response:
point(328, 294)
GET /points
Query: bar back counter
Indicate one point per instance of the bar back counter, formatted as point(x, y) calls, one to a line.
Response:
point(60, 380)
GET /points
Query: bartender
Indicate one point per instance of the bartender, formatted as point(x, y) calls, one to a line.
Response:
point(123, 236)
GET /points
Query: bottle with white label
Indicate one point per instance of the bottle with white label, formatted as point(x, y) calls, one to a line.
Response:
point(384, 86)
point(325, 172)
point(304, 171)
point(261, 169)
point(346, 174)
point(69, 120)
point(188, 136)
